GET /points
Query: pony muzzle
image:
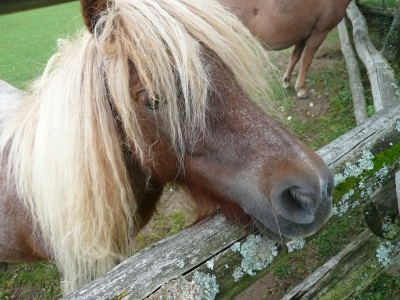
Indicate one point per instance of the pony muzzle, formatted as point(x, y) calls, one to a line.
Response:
point(299, 209)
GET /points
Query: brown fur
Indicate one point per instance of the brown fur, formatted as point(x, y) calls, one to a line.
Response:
point(91, 12)
point(281, 24)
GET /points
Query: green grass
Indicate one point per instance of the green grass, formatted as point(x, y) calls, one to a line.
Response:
point(162, 225)
point(28, 39)
point(30, 282)
point(333, 238)
point(284, 271)
point(382, 288)
point(339, 119)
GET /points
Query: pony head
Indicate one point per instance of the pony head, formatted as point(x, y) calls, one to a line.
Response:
point(193, 76)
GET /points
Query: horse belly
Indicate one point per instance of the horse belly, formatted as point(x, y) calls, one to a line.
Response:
point(280, 35)
point(278, 24)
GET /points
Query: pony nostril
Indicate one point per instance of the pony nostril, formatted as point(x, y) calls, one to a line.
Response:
point(298, 205)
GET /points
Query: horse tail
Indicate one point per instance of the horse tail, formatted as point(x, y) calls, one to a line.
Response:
point(64, 152)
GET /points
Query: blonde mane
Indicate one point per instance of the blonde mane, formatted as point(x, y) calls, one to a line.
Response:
point(62, 145)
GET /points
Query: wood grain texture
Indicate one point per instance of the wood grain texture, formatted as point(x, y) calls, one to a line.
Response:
point(377, 134)
point(147, 270)
point(12, 6)
point(380, 74)
point(357, 89)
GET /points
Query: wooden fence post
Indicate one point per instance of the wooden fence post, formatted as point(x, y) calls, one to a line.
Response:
point(357, 89)
point(380, 73)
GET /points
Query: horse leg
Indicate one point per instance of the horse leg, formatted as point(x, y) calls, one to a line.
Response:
point(314, 41)
point(3, 267)
point(294, 58)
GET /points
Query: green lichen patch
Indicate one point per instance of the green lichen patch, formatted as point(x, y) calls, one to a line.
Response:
point(383, 253)
point(366, 166)
point(295, 244)
point(257, 252)
point(386, 157)
point(365, 163)
point(358, 181)
point(208, 285)
point(391, 227)
point(202, 287)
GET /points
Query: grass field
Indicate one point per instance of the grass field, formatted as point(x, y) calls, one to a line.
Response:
point(28, 39)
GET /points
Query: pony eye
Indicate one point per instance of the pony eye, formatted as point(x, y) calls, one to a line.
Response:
point(150, 103)
point(153, 104)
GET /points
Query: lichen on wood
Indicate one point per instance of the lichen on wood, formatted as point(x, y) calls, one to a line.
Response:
point(351, 271)
point(257, 252)
point(202, 287)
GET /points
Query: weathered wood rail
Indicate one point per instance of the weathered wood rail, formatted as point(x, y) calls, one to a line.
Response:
point(356, 266)
point(375, 10)
point(357, 89)
point(381, 76)
point(346, 274)
point(180, 256)
point(12, 6)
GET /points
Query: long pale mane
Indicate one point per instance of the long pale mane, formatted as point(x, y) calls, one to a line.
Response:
point(63, 147)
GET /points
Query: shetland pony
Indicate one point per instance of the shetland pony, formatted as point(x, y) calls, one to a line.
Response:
point(154, 91)
point(281, 24)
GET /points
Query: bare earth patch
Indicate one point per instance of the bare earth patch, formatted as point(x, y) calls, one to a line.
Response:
point(318, 103)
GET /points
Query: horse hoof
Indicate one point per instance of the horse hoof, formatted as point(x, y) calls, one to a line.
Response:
point(303, 95)
point(3, 267)
point(286, 84)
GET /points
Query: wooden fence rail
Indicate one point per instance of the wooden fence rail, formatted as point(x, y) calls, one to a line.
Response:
point(12, 6)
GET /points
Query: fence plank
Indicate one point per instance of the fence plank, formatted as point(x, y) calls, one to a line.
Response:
point(357, 89)
point(380, 73)
point(12, 6)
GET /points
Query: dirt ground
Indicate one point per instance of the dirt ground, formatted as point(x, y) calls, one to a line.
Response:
point(318, 102)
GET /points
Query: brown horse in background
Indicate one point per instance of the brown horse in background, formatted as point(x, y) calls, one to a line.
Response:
point(281, 24)
point(152, 92)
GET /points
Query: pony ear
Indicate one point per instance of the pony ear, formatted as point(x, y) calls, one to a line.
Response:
point(91, 11)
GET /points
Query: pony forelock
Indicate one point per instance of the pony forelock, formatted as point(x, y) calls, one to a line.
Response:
point(63, 146)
